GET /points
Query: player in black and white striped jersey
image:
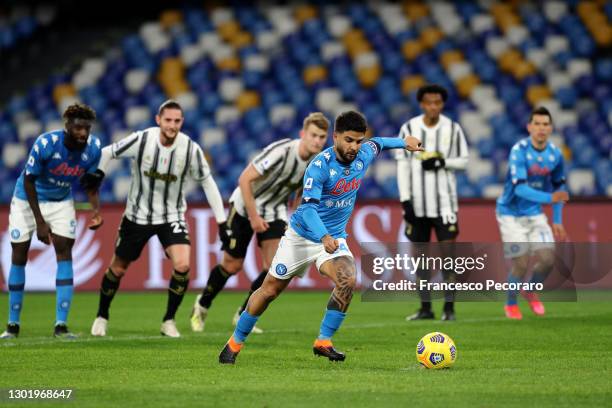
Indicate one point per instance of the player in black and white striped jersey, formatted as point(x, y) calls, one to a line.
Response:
point(259, 205)
point(426, 181)
point(163, 159)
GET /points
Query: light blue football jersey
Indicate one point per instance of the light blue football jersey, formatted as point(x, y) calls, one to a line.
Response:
point(332, 186)
point(56, 167)
point(541, 170)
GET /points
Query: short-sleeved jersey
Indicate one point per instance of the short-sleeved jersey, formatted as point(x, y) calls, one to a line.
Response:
point(56, 167)
point(282, 172)
point(332, 186)
point(540, 169)
point(159, 175)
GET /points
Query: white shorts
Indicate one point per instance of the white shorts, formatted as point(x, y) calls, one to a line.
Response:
point(525, 234)
point(295, 254)
point(60, 216)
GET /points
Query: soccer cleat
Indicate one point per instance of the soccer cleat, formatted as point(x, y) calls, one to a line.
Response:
point(198, 316)
point(60, 331)
point(513, 312)
point(325, 348)
point(535, 305)
point(448, 315)
point(11, 332)
point(254, 330)
point(421, 315)
point(230, 352)
point(168, 328)
point(98, 328)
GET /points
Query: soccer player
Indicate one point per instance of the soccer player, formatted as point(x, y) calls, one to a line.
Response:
point(162, 159)
point(317, 232)
point(259, 205)
point(534, 164)
point(42, 202)
point(427, 185)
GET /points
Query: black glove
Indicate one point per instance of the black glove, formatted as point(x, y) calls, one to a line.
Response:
point(225, 234)
point(90, 182)
point(409, 215)
point(433, 163)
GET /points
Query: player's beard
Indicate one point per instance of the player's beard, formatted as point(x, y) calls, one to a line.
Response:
point(75, 144)
point(344, 155)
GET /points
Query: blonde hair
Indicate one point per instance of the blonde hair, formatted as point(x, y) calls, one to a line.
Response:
point(318, 119)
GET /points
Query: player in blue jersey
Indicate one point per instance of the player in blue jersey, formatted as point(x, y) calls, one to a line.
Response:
point(535, 166)
point(317, 231)
point(42, 202)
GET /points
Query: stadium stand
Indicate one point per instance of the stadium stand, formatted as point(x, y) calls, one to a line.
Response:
point(247, 75)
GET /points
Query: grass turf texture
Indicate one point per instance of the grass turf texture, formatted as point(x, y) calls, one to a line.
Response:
point(563, 359)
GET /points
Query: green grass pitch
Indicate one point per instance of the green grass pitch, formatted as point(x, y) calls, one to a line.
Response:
point(563, 359)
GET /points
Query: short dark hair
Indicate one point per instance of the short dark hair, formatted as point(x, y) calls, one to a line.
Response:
point(432, 89)
point(350, 121)
point(79, 111)
point(169, 104)
point(540, 110)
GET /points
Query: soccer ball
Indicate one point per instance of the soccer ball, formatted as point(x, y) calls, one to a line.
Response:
point(436, 350)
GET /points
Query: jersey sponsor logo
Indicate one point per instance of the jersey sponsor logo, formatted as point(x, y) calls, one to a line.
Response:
point(159, 176)
point(56, 155)
point(347, 202)
point(54, 138)
point(65, 170)
point(327, 156)
point(342, 186)
point(281, 269)
point(318, 163)
point(537, 170)
point(37, 150)
point(332, 173)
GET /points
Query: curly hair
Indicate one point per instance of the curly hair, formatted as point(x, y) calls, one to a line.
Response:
point(79, 111)
point(432, 89)
point(350, 121)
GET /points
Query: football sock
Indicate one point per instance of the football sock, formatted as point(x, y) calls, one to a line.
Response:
point(512, 294)
point(449, 306)
point(176, 291)
point(331, 323)
point(108, 288)
point(216, 281)
point(244, 326)
point(64, 289)
point(539, 275)
point(254, 286)
point(16, 284)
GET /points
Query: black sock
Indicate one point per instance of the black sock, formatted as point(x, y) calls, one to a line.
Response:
point(176, 291)
point(254, 286)
point(449, 306)
point(108, 288)
point(426, 306)
point(216, 281)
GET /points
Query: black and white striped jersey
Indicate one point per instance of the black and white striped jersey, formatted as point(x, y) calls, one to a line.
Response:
point(283, 171)
point(159, 175)
point(433, 193)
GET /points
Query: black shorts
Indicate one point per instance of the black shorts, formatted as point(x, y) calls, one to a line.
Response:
point(418, 229)
point(242, 233)
point(133, 237)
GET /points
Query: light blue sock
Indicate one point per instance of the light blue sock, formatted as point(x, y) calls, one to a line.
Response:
point(63, 291)
point(16, 284)
point(331, 323)
point(538, 277)
point(512, 294)
point(244, 326)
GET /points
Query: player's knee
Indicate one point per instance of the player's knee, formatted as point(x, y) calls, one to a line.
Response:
point(181, 266)
point(118, 271)
point(546, 259)
point(232, 266)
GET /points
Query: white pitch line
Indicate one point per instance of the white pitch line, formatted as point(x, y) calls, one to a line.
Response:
point(34, 341)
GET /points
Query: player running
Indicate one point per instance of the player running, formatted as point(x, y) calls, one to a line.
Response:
point(534, 164)
point(259, 204)
point(317, 232)
point(162, 158)
point(42, 202)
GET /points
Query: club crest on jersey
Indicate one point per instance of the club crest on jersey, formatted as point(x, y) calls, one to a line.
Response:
point(359, 165)
point(84, 157)
point(342, 186)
